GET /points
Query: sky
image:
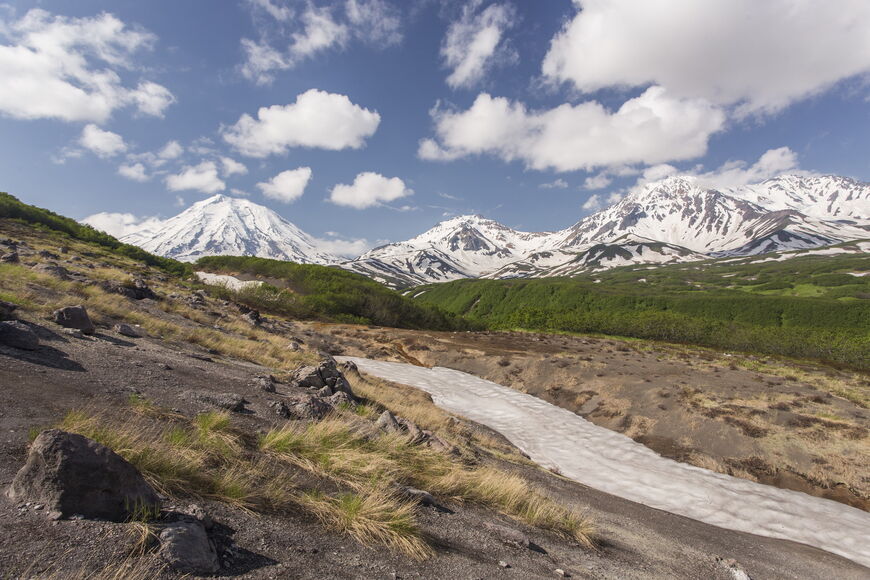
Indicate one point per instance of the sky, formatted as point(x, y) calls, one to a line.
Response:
point(365, 121)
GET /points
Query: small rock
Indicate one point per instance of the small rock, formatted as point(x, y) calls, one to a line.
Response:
point(422, 497)
point(252, 317)
point(228, 401)
point(73, 332)
point(52, 269)
point(387, 422)
point(48, 255)
point(325, 392)
point(128, 330)
point(6, 309)
point(503, 564)
point(10, 258)
point(341, 399)
point(293, 346)
point(308, 407)
point(136, 289)
point(75, 317)
point(265, 383)
point(508, 535)
point(74, 475)
point(280, 409)
point(197, 511)
point(18, 335)
point(308, 377)
point(560, 572)
point(414, 432)
point(186, 547)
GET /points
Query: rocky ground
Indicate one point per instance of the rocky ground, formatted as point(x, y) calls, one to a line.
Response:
point(190, 354)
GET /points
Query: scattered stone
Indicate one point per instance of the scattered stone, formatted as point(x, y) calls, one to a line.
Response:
point(229, 401)
point(128, 330)
point(186, 547)
point(308, 407)
point(10, 258)
point(52, 269)
point(293, 346)
point(63, 249)
point(422, 497)
point(252, 317)
point(18, 335)
point(75, 317)
point(414, 432)
point(733, 567)
point(74, 475)
point(560, 572)
point(508, 535)
point(438, 444)
point(135, 290)
point(74, 333)
point(280, 409)
point(387, 422)
point(48, 255)
point(6, 309)
point(341, 399)
point(349, 367)
point(503, 564)
point(265, 383)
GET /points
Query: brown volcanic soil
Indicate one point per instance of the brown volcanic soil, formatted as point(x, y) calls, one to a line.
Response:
point(781, 423)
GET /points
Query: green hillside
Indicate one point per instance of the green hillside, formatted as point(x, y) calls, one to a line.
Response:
point(312, 291)
point(806, 307)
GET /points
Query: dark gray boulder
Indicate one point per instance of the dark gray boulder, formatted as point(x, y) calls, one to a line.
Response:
point(6, 309)
point(128, 330)
point(18, 335)
point(308, 407)
point(387, 422)
point(74, 475)
point(52, 269)
point(228, 401)
point(341, 399)
point(134, 290)
point(265, 383)
point(308, 377)
point(186, 547)
point(10, 258)
point(75, 317)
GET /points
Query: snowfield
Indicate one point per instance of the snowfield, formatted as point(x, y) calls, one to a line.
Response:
point(610, 462)
point(226, 280)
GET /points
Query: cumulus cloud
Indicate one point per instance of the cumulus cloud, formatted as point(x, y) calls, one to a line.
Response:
point(318, 29)
point(593, 203)
point(102, 143)
point(231, 167)
point(135, 172)
point(557, 184)
point(651, 128)
point(369, 189)
point(473, 42)
point(56, 67)
point(172, 150)
point(287, 186)
point(343, 247)
point(122, 224)
point(202, 177)
point(599, 181)
point(317, 119)
point(783, 52)
point(772, 163)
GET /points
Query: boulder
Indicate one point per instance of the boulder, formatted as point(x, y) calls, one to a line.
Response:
point(308, 407)
point(48, 255)
point(252, 317)
point(387, 422)
point(420, 496)
point(135, 290)
point(325, 392)
point(6, 309)
point(186, 547)
point(340, 384)
point(308, 377)
point(341, 398)
point(75, 317)
point(52, 269)
point(18, 335)
point(74, 475)
point(10, 258)
point(265, 383)
point(228, 401)
point(128, 330)
point(280, 409)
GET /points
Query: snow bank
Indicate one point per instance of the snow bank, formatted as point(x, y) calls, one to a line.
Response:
point(613, 463)
point(230, 282)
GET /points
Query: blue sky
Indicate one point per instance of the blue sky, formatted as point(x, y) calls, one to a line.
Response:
point(371, 120)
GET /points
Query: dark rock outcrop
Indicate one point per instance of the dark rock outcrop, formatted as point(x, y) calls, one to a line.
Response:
point(10, 258)
point(74, 475)
point(53, 269)
point(308, 407)
point(18, 335)
point(135, 290)
point(128, 330)
point(186, 547)
point(228, 401)
point(6, 309)
point(75, 317)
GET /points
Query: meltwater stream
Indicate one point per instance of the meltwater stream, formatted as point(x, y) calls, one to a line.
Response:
point(608, 461)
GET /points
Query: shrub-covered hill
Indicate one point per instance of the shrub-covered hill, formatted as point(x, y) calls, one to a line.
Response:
point(829, 319)
point(312, 291)
point(13, 208)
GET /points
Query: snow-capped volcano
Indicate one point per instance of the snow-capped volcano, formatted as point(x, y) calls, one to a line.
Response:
point(827, 197)
point(222, 225)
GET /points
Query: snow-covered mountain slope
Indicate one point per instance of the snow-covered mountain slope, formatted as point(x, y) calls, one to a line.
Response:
point(222, 225)
point(462, 247)
point(826, 197)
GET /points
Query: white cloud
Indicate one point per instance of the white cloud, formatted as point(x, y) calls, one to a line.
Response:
point(472, 42)
point(121, 224)
point(287, 186)
point(135, 172)
point(103, 143)
point(593, 203)
point(202, 177)
point(285, 40)
point(317, 119)
point(239, 192)
point(651, 128)
point(63, 68)
point(772, 163)
point(172, 150)
point(374, 21)
point(599, 181)
point(343, 247)
point(557, 184)
point(369, 189)
point(232, 167)
point(759, 55)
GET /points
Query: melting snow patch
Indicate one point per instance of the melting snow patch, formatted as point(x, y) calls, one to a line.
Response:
point(230, 282)
point(605, 460)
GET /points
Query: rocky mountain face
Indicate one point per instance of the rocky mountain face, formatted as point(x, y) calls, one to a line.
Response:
point(222, 225)
point(674, 220)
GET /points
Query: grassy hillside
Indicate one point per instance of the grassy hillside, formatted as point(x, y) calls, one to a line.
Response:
point(808, 307)
point(13, 208)
point(311, 291)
